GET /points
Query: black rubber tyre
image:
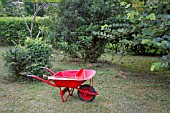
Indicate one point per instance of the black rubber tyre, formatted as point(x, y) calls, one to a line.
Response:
point(86, 97)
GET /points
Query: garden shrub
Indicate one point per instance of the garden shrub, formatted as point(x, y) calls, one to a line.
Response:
point(90, 45)
point(83, 43)
point(143, 28)
point(75, 22)
point(70, 49)
point(39, 54)
point(13, 29)
point(16, 59)
point(29, 59)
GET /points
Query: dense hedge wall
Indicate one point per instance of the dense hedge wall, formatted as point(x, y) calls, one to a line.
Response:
point(13, 30)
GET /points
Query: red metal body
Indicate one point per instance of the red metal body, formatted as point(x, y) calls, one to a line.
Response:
point(69, 79)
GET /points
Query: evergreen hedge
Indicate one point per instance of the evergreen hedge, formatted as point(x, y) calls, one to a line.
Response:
point(13, 30)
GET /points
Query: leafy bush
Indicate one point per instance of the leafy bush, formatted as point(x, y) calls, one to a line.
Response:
point(13, 29)
point(90, 44)
point(39, 54)
point(75, 23)
point(70, 49)
point(142, 28)
point(29, 58)
point(16, 59)
point(83, 43)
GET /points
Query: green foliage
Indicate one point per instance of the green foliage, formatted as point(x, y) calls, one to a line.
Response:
point(83, 43)
point(4, 2)
point(7, 9)
point(42, 11)
point(76, 23)
point(163, 62)
point(70, 49)
point(29, 58)
point(85, 28)
point(39, 54)
point(142, 28)
point(90, 45)
point(16, 59)
point(45, 1)
point(13, 29)
point(29, 7)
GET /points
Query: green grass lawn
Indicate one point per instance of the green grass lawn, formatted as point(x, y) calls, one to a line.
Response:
point(138, 91)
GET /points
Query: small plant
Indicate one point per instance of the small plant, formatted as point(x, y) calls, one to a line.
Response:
point(16, 59)
point(39, 54)
point(29, 58)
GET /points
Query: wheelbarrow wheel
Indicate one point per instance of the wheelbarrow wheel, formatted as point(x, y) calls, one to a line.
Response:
point(84, 96)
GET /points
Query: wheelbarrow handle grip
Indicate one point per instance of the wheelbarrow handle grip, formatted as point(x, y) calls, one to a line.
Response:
point(30, 75)
point(42, 67)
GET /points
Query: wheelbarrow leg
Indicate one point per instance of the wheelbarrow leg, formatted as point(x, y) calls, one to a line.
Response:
point(71, 91)
point(91, 81)
point(62, 92)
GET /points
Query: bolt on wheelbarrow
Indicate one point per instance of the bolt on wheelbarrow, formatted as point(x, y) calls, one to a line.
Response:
point(69, 80)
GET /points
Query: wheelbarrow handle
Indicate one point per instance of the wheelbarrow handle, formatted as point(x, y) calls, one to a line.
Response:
point(42, 80)
point(45, 68)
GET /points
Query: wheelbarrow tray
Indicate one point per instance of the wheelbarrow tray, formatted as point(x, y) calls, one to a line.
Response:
point(69, 78)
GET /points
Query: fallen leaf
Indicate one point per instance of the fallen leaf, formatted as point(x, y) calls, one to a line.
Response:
point(123, 76)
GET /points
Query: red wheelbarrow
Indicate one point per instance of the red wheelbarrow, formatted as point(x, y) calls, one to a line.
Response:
point(69, 80)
